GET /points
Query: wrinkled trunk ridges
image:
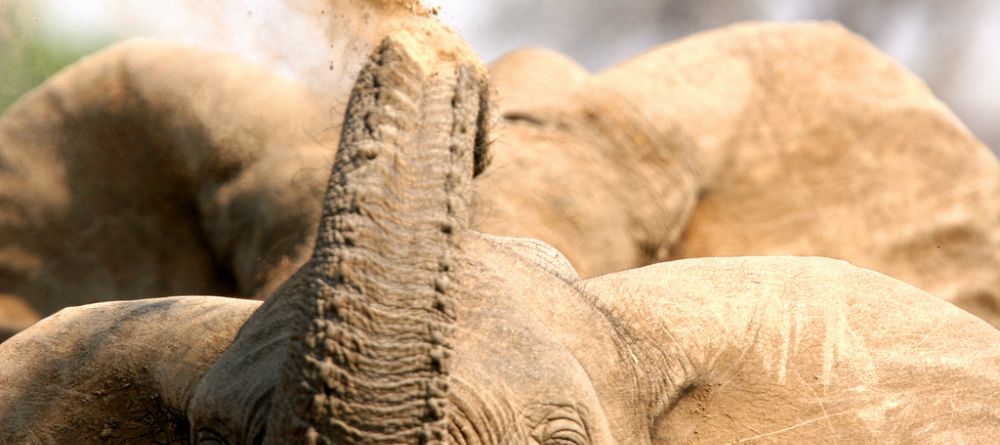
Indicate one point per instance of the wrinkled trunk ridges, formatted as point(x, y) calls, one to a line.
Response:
point(371, 364)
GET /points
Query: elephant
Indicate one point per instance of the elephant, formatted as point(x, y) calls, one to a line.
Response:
point(802, 139)
point(405, 325)
point(126, 176)
point(649, 161)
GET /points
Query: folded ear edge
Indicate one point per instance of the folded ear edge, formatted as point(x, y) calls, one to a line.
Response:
point(93, 373)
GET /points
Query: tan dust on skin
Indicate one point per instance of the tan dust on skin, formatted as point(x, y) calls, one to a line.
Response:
point(893, 202)
point(807, 350)
point(774, 349)
point(214, 193)
point(827, 147)
point(653, 159)
point(128, 365)
point(708, 350)
point(756, 139)
point(393, 218)
point(180, 176)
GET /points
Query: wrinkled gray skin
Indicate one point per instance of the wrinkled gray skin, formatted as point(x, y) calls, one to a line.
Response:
point(406, 327)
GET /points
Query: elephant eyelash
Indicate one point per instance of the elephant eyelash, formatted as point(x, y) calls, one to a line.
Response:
point(258, 437)
point(566, 437)
point(561, 425)
point(209, 437)
point(514, 116)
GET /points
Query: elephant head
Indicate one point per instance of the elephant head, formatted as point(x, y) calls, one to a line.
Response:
point(405, 326)
point(360, 344)
point(357, 344)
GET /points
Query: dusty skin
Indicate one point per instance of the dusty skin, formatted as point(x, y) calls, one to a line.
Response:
point(129, 177)
point(406, 326)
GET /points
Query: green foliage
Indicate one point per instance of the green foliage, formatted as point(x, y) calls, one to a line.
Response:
point(28, 56)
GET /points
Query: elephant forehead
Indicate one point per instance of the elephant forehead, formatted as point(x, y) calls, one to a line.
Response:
point(513, 346)
point(511, 370)
point(498, 318)
point(512, 378)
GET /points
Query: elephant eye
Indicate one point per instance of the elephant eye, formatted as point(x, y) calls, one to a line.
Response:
point(209, 437)
point(564, 432)
point(562, 426)
point(258, 435)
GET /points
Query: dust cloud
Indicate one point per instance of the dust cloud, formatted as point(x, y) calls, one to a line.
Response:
point(320, 43)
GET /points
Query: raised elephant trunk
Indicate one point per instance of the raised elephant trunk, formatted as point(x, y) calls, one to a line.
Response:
point(369, 362)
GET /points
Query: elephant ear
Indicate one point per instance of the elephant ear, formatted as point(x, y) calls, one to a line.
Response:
point(810, 141)
point(792, 349)
point(154, 169)
point(113, 372)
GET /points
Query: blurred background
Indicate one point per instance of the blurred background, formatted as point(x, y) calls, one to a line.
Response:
point(953, 45)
